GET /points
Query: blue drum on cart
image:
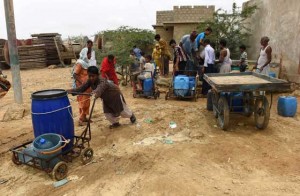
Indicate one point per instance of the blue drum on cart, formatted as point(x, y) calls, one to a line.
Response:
point(148, 87)
point(181, 85)
point(287, 106)
point(52, 113)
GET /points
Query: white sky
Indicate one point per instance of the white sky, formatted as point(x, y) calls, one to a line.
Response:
point(86, 17)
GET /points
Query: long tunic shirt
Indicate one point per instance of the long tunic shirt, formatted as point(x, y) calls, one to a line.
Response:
point(108, 92)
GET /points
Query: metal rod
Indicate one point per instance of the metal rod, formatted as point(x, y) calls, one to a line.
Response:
point(13, 50)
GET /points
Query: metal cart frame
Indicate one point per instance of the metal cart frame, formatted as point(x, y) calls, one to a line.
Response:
point(81, 147)
point(193, 94)
point(252, 104)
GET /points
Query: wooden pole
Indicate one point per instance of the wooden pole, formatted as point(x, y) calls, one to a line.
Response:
point(13, 50)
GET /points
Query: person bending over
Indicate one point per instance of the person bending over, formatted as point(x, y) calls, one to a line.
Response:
point(114, 104)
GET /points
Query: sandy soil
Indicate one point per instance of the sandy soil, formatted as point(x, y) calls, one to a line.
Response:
point(136, 160)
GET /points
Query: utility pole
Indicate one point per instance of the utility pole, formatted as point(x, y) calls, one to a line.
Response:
point(13, 50)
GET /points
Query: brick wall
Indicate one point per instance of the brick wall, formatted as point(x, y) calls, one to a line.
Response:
point(193, 13)
point(183, 29)
point(164, 16)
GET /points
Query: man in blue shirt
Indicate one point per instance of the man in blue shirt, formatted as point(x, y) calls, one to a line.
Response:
point(188, 44)
point(201, 36)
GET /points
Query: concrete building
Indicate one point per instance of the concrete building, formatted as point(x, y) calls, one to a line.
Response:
point(280, 21)
point(173, 24)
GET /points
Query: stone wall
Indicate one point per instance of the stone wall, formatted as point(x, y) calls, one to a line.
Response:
point(193, 13)
point(164, 16)
point(183, 29)
point(280, 21)
point(173, 24)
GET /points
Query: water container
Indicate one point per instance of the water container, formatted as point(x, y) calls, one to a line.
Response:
point(48, 143)
point(181, 85)
point(148, 87)
point(235, 100)
point(287, 106)
point(52, 113)
point(43, 143)
point(272, 74)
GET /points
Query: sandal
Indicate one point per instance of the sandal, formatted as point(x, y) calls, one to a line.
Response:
point(133, 119)
point(115, 125)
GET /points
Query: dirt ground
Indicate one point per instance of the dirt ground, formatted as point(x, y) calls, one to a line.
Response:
point(141, 159)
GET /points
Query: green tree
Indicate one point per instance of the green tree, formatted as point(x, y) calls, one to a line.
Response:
point(119, 42)
point(230, 26)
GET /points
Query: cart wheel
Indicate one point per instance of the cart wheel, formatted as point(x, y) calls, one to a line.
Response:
point(167, 95)
point(223, 116)
point(60, 171)
point(87, 155)
point(248, 104)
point(15, 159)
point(261, 113)
point(215, 100)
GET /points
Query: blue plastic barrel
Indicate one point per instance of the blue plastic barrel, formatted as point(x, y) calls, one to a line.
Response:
point(52, 113)
point(272, 74)
point(235, 100)
point(287, 106)
point(148, 87)
point(181, 85)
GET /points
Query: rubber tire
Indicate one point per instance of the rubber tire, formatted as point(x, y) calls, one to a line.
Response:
point(248, 98)
point(15, 160)
point(87, 155)
point(223, 116)
point(60, 171)
point(266, 110)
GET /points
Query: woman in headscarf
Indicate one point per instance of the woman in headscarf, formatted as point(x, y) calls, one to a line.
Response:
point(156, 55)
point(80, 76)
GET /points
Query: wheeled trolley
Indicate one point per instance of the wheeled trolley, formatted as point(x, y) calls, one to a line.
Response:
point(184, 86)
point(243, 93)
point(56, 166)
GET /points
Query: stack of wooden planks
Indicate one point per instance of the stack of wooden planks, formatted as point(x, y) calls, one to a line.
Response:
point(51, 50)
point(32, 56)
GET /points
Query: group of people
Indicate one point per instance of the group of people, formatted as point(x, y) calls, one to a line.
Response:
point(87, 80)
point(196, 54)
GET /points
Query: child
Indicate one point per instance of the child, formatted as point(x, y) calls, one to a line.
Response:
point(156, 55)
point(243, 59)
point(114, 104)
point(148, 71)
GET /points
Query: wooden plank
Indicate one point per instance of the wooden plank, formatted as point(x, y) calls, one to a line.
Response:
point(273, 85)
point(248, 79)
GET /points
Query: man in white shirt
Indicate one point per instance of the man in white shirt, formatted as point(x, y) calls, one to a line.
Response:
point(209, 61)
point(82, 55)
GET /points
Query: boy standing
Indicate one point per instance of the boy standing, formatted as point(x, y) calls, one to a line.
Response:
point(243, 59)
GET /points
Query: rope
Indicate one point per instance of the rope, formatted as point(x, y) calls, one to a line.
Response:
point(51, 111)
